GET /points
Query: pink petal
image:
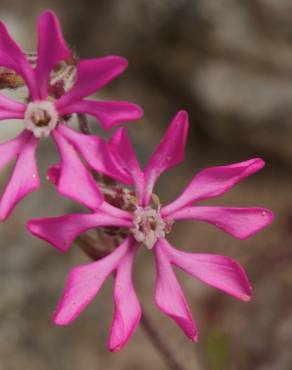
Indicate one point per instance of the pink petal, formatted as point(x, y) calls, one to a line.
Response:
point(24, 178)
point(213, 182)
point(62, 231)
point(218, 271)
point(53, 176)
point(84, 283)
point(10, 108)
point(115, 212)
point(12, 57)
point(51, 50)
point(239, 222)
point(169, 296)
point(92, 75)
point(75, 181)
point(169, 152)
point(127, 307)
point(122, 150)
point(96, 153)
point(108, 113)
point(13, 147)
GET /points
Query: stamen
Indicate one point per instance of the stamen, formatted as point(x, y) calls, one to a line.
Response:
point(148, 226)
point(41, 118)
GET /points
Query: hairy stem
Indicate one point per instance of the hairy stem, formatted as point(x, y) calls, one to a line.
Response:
point(160, 345)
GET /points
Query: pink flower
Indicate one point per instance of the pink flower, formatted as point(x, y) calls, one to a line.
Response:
point(50, 102)
point(148, 225)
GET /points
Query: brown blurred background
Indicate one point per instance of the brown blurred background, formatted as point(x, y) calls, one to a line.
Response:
point(229, 64)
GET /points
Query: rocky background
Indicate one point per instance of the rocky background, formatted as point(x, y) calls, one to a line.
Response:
point(229, 63)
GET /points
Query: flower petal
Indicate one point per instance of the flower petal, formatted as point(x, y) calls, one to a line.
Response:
point(51, 50)
point(169, 296)
point(63, 230)
point(24, 178)
point(122, 150)
point(75, 181)
point(169, 152)
point(116, 212)
point(10, 108)
point(213, 182)
point(108, 113)
point(53, 176)
point(127, 307)
point(218, 271)
point(12, 57)
point(84, 282)
point(96, 153)
point(239, 222)
point(12, 148)
point(92, 75)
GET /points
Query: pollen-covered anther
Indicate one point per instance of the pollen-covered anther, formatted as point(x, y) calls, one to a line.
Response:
point(148, 226)
point(41, 118)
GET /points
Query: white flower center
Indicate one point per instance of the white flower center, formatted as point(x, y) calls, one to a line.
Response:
point(41, 118)
point(148, 226)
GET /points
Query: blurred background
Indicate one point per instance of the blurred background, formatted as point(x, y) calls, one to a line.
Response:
point(229, 64)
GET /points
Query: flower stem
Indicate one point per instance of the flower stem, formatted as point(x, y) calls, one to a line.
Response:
point(99, 250)
point(159, 344)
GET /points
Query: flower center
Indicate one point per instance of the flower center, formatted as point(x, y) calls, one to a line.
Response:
point(148, 226)
point(41, 118)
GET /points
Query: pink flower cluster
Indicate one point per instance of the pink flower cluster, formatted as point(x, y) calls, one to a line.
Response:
point(146, 222)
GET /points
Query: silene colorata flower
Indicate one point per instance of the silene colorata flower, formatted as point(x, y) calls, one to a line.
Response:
point(58, 86)
point(146, 224)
